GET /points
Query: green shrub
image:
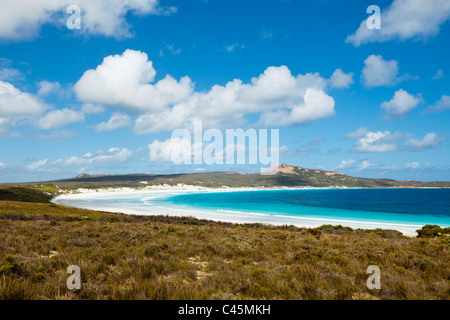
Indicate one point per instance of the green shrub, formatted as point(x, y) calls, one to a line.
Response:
point(39, 276)
point(431, 231)
point(316, 232)
point(258, 273)
point(10, 266)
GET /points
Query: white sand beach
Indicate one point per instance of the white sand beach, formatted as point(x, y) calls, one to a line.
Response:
point(150, 200)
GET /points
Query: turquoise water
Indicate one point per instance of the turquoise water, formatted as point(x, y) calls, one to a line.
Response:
point(405, 206)
point(406, 210)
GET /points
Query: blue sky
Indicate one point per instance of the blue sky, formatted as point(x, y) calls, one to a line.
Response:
point(89, 100)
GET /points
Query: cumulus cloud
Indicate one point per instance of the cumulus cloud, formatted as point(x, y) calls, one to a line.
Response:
point(351, 164)
point(412, 165)
point(177, 117)
point(90, 108)
point(317, 105)
point(118, 120)
point(7, 73)
point(14, 102)
point(340, 79)
point(403, 20)
point(360, 132)
point(385, 141)
point(379, 72)
point(10, 74)
point(441, 105)
point(377, 142)
point(125, 82)
point(429, 141)
point(59, 118)
point(161, 151)
point(346, 164)
point(46, 88)
point(401, 104)
point(180, 149)
point(16, 105)
point(37, 165)
point(101, 158)
point(22, 19)
point(365, 164)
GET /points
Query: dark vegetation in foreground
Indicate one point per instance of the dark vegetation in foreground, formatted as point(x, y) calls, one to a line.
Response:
point(135, 257)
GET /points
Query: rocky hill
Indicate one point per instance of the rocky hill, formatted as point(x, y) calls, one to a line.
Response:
point(286, 175)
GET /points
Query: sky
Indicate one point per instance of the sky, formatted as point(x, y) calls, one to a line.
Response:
point(105, 98)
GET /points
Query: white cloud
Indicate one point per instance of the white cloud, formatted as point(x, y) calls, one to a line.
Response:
point(10, 74)
point(413, 165)
point(346, 164)
point(379, 72)
point(340, 79)
point(90, 108)
point(118, 120)
point(405, 19)
point(60, 118)
point(177, 117)
point(101, 158)
point(46, 88)
point(283, 98)
point(401, 104)
point(161, 151)
point(13, 102)
point(377, 142)
point(16, 105)
point(22, 19)
point(352, 165)
point(7, 73)
point(429, 141)
point(232, 47)
point(441, 105)
point(386, 141)
point(439, 75)
point(360, 132)
point(123, 81)
point(317, 104)
point(366, 164)
point(175, 148)
point(37, 165)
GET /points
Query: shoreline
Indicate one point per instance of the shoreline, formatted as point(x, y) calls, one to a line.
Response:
point(82, 198)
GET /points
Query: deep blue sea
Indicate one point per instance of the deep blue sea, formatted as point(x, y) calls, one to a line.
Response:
point(406, 210)
point(389, 205)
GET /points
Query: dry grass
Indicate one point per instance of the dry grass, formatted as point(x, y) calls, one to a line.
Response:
point(130, 257)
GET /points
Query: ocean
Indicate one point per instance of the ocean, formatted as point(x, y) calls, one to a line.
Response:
point(405, 210)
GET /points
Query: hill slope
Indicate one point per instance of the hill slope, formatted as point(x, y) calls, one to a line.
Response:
point(287, 175)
